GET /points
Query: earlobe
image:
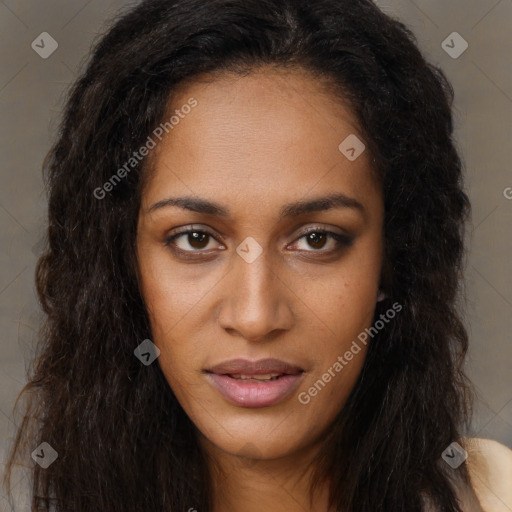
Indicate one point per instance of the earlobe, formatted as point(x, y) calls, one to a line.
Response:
point(381, 296)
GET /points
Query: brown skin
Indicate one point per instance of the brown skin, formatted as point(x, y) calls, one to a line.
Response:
point(253, 144)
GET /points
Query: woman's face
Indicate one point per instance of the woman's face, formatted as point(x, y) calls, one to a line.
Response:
point(236, 268)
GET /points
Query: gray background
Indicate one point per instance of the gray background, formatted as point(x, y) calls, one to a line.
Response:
point(31, 98)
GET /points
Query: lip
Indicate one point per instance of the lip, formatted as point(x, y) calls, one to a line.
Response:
point(259, 367)
point(250, 393)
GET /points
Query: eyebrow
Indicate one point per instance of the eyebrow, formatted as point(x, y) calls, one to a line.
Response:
point(289, 210)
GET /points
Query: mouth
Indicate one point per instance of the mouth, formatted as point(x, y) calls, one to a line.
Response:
point(255, 383)
point(255, 378)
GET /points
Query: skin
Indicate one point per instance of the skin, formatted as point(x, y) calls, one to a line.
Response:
point(254, 144)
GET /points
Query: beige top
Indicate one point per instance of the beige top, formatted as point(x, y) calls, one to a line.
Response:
point(490, 468)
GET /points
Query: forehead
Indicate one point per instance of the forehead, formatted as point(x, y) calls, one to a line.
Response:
point(270, 133)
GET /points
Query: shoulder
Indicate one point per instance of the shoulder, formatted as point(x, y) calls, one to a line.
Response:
point(490, 468)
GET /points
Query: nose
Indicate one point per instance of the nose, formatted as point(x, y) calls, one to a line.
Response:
point(257, 303)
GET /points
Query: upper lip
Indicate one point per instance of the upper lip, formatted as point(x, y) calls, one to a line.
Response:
point(259, 367)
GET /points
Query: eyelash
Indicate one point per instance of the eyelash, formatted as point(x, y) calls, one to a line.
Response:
point(342, 240)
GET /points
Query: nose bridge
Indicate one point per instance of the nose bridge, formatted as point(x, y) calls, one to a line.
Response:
point(256, 304)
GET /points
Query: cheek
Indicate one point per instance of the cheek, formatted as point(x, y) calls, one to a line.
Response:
point(179, 351)
point(345, 301)
point(346, 305)
point(352, 305)
point(334, 383)
point(169, 302)
point(360, 282)
point(167, 293)
point(172, 295)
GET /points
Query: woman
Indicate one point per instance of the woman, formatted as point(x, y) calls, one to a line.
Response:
point(256, 219)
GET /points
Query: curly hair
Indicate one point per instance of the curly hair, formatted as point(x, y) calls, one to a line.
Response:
point(116, 423)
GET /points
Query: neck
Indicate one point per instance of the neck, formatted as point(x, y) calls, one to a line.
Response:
point(245, 484)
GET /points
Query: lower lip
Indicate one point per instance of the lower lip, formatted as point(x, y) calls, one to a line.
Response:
point(248, 393)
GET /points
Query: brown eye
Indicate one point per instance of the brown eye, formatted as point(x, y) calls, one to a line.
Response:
point(197, 239)
point(191, 240)
point(318, 239)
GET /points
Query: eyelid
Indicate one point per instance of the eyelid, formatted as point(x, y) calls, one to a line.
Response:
point(323, 229)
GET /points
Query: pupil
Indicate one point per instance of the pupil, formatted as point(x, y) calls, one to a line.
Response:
point(197, 238)
point(316, 238)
